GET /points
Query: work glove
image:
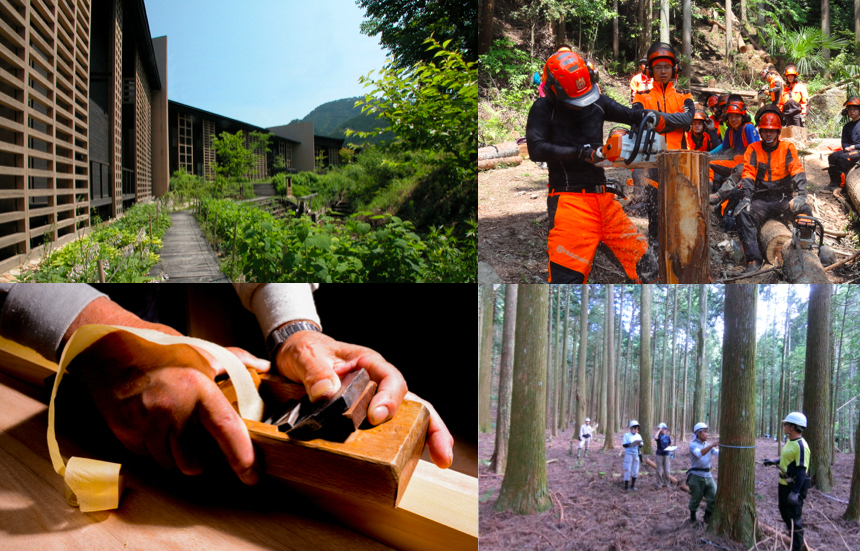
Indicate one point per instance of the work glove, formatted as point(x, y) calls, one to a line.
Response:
point(770, 462)
point(743, 205)
point(792, 498)
point(590, 155)
point(797, 203)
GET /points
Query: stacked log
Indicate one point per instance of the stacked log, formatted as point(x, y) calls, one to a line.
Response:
point(507, 153)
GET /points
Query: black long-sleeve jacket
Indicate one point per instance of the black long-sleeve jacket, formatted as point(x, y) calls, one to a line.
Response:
point(851, 134)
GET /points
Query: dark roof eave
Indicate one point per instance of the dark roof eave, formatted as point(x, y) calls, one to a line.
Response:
point(143, 40)
point(205, 113)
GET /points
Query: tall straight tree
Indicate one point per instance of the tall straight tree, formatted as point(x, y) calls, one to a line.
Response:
point(661, 413)
point(782, 370)
point(503, 412)
point(486, 32)
point(687, 41)
point(734, 509)
point(853, 510)
point(485, 369)
point(699, 395)
point(562, 416)
point(816, 388)
point(524, 488)
point(728, 32)
point(673, 404)
point(645, 365)
point(611, 421)
point(686, 353)
point(664, 22)
point(581, 399)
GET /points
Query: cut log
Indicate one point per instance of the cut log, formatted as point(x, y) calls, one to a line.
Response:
point(742, 48)
point(742, 93)
point(773, 235)
point(802, 265)
point(487, 164)
point(674, 480)
point(852, 187)
point(507, 149)
point(683, 220)
point(524, 150)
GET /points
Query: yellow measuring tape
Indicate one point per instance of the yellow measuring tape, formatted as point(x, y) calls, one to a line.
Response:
point(96, 485)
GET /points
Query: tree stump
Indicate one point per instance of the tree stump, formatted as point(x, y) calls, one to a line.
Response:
point(773, 235)
point(802, 265)
point(852, 187)
point(683, 203)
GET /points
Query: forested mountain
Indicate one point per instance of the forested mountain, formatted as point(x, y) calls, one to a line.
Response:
point(328, 116)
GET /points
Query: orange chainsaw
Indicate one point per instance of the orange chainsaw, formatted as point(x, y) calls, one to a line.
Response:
point(639, 144)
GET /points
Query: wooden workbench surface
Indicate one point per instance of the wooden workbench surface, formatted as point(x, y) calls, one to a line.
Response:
point(159, 509)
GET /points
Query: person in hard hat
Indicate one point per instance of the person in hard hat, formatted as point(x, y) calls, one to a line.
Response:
point(794, 98)
point(699, 138)
point(699, 477)
point(584, 437)
point(793, 478)
point(664, 462)
point(738, 136)
point(841, 162)
point(641, 81)
point(631, 442)
point(722, 116)
point(774, 83)
point(663, 67)
point(565, 129)
point(713, 121)
point(772, 173)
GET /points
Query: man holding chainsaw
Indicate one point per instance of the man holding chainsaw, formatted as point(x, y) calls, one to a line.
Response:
point(565, 129)
point(841, 162)
point(664, 68)
point(793, 479)
point(772, 171)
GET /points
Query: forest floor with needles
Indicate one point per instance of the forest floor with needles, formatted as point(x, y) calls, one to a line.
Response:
point(593, 513)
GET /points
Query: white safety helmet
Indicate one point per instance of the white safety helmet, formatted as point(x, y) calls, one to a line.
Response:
point(662, 426)
point(796, 418)
point(634, 423)
point(699, 426)
point(588, 419)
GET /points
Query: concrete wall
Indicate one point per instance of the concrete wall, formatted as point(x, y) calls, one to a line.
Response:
point(303, 152)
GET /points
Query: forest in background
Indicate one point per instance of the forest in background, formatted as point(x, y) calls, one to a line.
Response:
point(607, 342)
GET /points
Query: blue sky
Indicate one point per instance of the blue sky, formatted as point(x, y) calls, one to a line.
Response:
point(265, 62)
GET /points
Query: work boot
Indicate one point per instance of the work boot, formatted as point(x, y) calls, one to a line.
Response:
point(647, 268)
point(626, 485)
point(753, 266)
point(693, 517)
point(578, 452)
point(707, 518)
point(586, 452)
point(633, 485)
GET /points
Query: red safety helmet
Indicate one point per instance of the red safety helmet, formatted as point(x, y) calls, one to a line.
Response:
point(736, 107)
point(852, 101)
point(712, 102)
point(662, 50)
point(570, 79)
point(724, 99)
point(791, 69)
point(771, 121)
point(699, 115)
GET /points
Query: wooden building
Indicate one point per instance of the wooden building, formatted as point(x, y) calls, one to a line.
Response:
point(312, 151)
point(83, 108)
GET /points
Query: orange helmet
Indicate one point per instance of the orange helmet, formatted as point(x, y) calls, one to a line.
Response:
point(661, 50)
point(854, 100)
point(570, 79)
point(712, 102)
point(791, 69)
point(736, 107)
point(699, 115)
point(771, 121)
point(724, 99)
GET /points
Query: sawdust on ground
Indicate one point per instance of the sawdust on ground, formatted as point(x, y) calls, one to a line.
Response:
point(513, 225)
point(596, 514)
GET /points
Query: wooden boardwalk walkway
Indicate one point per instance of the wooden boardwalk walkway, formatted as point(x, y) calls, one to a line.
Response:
point(186, 256)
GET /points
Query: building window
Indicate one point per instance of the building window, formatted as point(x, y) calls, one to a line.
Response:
point(285, 152)
point(320, 157)
point(186, 151)
point(208, 150)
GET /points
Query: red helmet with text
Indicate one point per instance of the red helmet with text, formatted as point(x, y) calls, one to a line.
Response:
point(570, 78)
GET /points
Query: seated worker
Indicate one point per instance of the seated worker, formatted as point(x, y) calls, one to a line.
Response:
point(664, 68)
point(774, 83)
point(713, 121)
point(698, 138)
point(794, 98)
point(722, 116)
point(172, 409)
point(640, 82)
point(840, 162)
point(772, 171)
point(738, 136)
point(565, 129)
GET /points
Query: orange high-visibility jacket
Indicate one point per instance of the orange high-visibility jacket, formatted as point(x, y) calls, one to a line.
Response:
point(781, 170)
point(774, 81)
point(798, 93)
point(666, 99)
point(640, 83)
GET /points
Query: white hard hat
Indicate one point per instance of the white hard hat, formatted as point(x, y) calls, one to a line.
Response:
point(634, 423)
point(700, 426)
point(797, 418)
point(662, 426)
point(588, 419)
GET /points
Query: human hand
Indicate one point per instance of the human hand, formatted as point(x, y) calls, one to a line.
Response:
point(163, 401)
point(797, 203)
point(793, 497)
point(318, 362)
point(770, 462)
point(742, 206)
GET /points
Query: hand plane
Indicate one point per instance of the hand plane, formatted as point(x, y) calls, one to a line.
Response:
point(334, 418)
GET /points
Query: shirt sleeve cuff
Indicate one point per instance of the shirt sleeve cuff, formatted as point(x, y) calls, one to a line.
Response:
point(277, 303)
point(37, 315)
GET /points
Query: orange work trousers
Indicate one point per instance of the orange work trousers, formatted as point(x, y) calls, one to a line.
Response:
point(580, 221)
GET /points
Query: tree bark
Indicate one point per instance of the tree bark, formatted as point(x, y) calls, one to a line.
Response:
point(485, 368)
point(548, 377)
point(686, 347)
point(506, 365)
point(835, 392)
point(662, 414)
point(699, 397)
point(581, 399)
point(734, 509)
point(816, 390)
point(645, 366)
point(728, 31)
point(857, 30)
point(782, 372)
point(615, 29)
point(524, 488)
point(486, 38)
point(825, 30)
point(611, 421)
point(664, 21)
point(562, 416)
point(852, 512)
point(673, 404)
point(687, 41)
